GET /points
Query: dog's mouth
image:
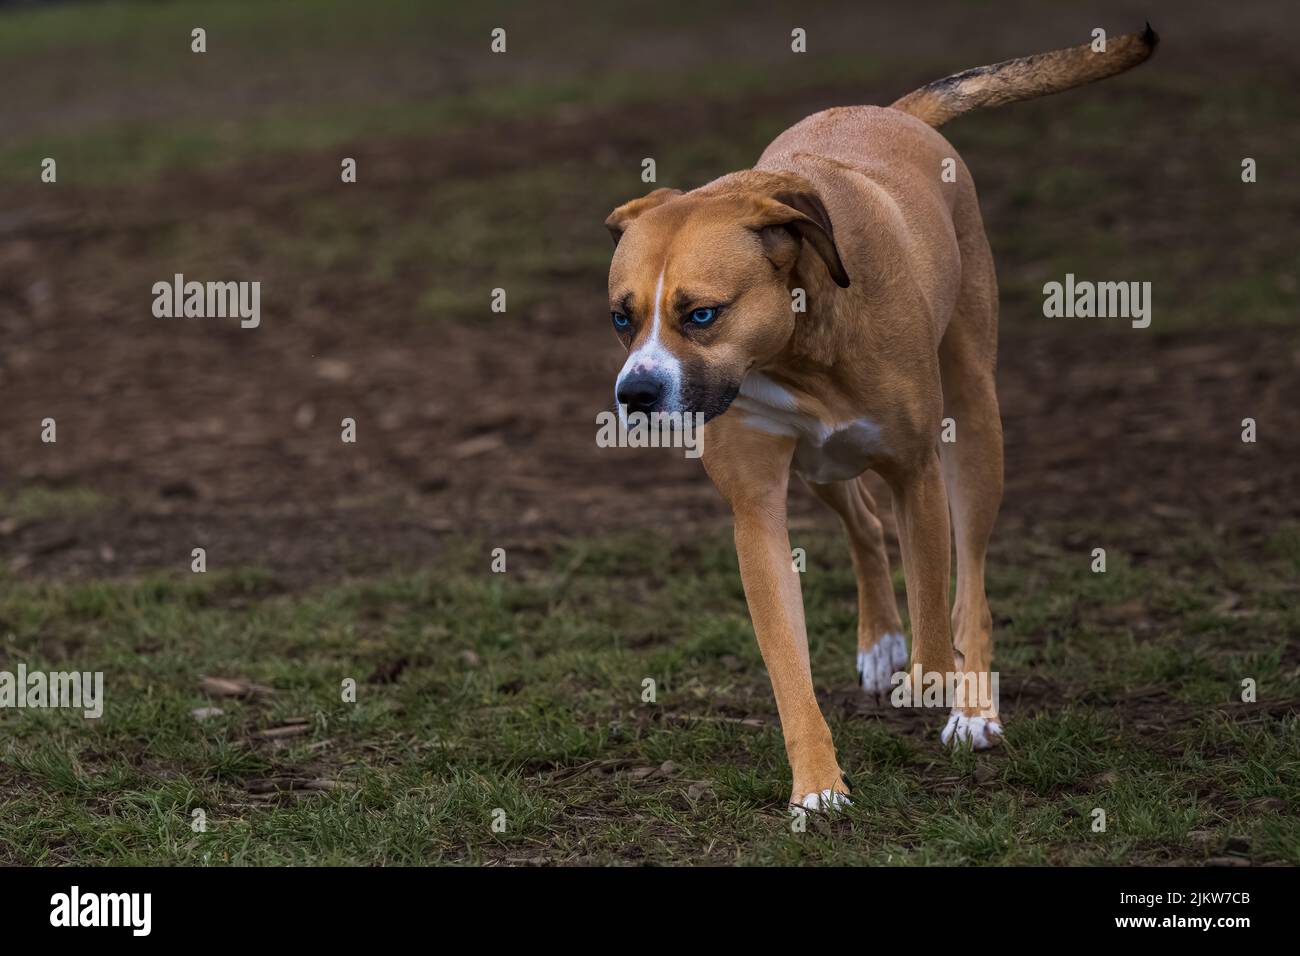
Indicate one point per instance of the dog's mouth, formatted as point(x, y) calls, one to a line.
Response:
point(713, 403)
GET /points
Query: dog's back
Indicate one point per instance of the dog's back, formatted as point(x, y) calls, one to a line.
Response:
point(907, 185)
point(878, 171)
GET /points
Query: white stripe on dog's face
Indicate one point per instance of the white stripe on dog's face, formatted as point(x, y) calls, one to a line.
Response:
point(653, 357)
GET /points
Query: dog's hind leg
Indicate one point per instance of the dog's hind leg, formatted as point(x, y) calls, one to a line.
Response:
point(972, 468)
point(882, 649)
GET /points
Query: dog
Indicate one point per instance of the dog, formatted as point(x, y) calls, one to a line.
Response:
point(868, 218)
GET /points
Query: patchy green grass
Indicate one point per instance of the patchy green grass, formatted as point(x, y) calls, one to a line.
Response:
point(1105, 182)
point(39, 502)
point(432, 65)
point(522, 692)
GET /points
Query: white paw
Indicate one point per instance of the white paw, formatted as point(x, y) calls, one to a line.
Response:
point(980, 733)
point(827, 800)
point(878, 664)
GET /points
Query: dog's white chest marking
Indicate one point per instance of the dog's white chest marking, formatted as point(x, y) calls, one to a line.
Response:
point(825, 452)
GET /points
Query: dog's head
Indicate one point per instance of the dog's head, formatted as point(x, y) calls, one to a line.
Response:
point(700, 289)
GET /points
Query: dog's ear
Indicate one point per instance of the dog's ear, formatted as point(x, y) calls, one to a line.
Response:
point(620, 218)
point(804, 216)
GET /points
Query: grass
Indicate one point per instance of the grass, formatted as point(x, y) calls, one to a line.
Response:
point(134, 47)
point(522, 692)
point(38, 502)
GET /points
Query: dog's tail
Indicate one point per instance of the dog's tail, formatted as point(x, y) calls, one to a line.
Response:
point(1026, 77)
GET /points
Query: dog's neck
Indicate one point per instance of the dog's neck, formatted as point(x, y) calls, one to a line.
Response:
point(821, 335)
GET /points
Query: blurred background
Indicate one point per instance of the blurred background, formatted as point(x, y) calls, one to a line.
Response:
point(479, 171)
point(477, 429)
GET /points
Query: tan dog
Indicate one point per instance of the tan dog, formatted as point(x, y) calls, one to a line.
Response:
point(851, 206)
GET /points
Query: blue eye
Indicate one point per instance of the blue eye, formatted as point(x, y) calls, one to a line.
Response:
point(621, 321)
point(703, 316)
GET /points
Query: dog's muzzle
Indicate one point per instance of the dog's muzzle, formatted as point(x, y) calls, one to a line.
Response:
point(640, 392)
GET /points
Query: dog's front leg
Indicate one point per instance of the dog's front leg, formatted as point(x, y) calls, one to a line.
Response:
point(751, 469)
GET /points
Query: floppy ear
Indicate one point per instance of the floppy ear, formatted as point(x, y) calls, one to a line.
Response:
point(803, 214)
point(620, 218)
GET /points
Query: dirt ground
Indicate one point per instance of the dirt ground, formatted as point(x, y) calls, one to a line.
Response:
point(195, 432)
point(201, 433)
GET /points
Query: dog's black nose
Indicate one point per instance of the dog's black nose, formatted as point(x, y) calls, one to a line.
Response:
point(640, 392)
